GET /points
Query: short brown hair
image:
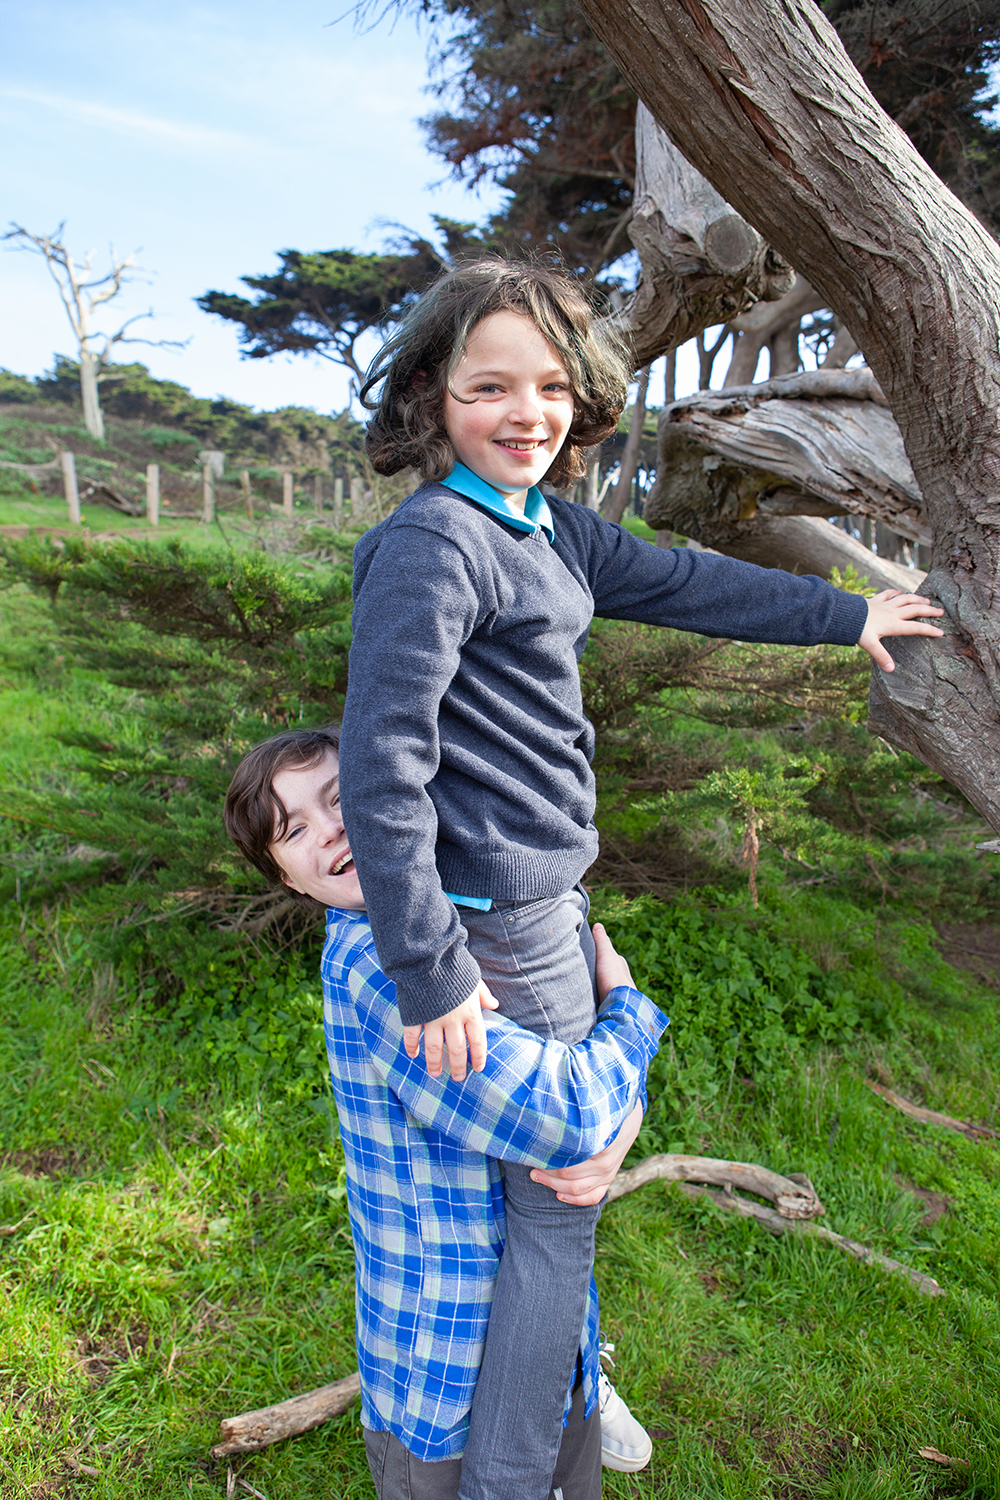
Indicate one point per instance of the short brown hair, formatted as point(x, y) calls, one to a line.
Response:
point(254, 814)
point(415, 367)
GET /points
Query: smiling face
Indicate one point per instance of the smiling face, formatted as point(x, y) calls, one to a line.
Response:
point(313, 853)
point(515, 406)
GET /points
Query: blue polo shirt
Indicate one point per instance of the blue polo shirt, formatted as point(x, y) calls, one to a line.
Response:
point(537, 516)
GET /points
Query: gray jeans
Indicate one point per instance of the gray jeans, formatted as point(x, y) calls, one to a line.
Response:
point(399, 1476)
point(538, 959)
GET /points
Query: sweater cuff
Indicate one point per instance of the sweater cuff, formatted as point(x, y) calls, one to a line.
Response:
point(433, 992)
point(850, 615)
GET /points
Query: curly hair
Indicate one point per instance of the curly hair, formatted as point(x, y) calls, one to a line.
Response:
point(254, 814)
point(416, 366)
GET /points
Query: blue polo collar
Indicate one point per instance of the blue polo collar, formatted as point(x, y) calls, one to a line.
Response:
point(537, 516)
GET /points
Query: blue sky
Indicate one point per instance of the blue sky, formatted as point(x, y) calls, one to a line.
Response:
point(208, 136)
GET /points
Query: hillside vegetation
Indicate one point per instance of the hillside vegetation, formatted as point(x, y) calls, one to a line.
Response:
point(151, 421)
point(174, 1244)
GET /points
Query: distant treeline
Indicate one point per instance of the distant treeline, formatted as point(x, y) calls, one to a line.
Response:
point(292, 434)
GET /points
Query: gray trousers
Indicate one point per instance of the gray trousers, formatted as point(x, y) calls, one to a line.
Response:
point(397, 1475)
point(538, 960)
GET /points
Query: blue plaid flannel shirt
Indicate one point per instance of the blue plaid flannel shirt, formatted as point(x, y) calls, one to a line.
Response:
point(424, 1187)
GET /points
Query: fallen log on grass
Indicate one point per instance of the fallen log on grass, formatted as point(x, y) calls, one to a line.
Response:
point(931, 1116)
point(258, 1429)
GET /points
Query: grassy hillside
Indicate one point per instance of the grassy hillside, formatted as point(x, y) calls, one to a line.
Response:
point(174, 1245)
point(155, 421)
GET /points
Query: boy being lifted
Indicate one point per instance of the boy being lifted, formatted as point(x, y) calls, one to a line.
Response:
point(423, 1153)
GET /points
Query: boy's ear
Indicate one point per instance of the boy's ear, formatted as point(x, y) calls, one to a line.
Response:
point(286, 881)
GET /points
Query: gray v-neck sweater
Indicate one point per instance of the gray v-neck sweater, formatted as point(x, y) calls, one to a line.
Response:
point(465, 756)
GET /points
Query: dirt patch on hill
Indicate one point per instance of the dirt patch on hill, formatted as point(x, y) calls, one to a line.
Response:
point(976, 949)
point(47, 1161)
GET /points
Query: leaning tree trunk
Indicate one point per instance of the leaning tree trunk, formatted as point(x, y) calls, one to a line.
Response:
point(616, 503)
point(762, 98)
point(701, 263)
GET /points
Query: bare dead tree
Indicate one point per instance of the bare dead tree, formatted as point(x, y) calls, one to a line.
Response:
point(82, 296)
point(762, 98)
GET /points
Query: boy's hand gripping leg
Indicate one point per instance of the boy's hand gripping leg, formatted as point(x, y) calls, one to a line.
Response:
point(457, 1030)
point(588, 1181)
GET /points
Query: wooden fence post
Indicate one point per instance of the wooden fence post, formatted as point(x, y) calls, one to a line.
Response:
point(288, 484)
point(153, 494)
point(207, 495)
point(357, 498)
point(318, 493)
point(69, 484)
point(338, 504)
point(247, 496)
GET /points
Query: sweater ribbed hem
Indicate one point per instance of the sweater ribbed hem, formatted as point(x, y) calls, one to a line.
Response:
point(848, 618)
point(516, 874)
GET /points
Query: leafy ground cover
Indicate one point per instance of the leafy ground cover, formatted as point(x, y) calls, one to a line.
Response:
point(174, 1243)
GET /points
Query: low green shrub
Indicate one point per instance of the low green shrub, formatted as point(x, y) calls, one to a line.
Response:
point(742, 1000)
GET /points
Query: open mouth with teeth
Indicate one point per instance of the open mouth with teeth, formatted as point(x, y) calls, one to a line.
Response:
point(521, 445)
point(344, 865)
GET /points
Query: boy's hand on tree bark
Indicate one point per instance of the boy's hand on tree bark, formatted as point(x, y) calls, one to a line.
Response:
point(456, 1031)
point(588, 1181)
point(895, 613)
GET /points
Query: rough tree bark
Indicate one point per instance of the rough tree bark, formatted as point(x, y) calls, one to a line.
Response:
point(701, 263)
point(764, 101)
point(816, 444)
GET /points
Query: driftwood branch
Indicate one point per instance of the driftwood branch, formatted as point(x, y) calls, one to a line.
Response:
point(258, 1429)
point(794, 1197)
point(931, 1116)
point(33, 471)
point(777, 1224)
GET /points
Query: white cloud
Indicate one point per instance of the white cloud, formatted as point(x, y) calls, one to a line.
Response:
point(200, 138)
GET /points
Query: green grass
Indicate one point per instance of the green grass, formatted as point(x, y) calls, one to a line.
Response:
point(175, 1244)
point(183, 1253)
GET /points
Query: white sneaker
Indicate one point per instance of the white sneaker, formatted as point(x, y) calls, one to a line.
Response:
point(625, 1443)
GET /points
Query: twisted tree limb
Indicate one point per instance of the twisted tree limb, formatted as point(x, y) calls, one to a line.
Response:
point(931, 1116)
point(776, 1223)
point(762, 98)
